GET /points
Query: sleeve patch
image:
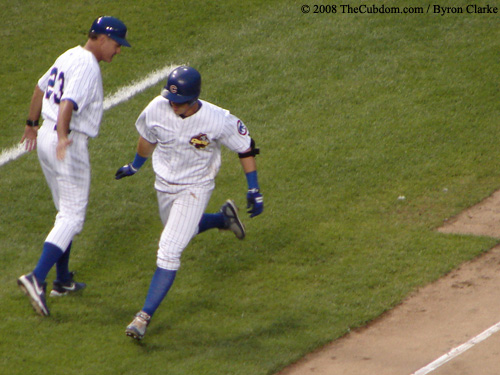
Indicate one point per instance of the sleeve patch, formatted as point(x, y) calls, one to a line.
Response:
point(242, 129)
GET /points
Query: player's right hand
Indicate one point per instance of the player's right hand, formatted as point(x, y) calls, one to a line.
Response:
point(125, 171)
point(29, 137)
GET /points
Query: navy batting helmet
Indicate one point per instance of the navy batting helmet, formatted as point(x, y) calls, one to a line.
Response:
point(183, 85)
point(112, 27)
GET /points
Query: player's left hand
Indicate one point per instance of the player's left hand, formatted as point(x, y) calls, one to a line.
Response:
point(255, 202)
point(62, 145)
point(125, 171)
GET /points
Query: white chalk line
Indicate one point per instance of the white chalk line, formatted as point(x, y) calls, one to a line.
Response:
point(458, 350)
point(123, 94)
point(12, 153)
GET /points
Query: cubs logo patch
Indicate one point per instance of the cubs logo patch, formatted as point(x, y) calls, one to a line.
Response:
point(173, 89)
point(200, 141)
point(242, 129)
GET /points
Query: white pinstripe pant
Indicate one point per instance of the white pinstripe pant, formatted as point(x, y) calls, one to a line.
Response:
point(180, 213)
point(69, 182)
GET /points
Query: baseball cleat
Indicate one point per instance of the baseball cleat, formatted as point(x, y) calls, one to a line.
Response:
point(62, 289)
point(36, 293)
point(232, 221)
point(137, 329)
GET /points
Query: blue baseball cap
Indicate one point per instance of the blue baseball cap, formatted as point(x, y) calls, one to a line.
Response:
point(112, 27)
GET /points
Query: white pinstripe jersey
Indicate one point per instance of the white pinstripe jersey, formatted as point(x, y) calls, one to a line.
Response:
point(75, 76)
point(188, 150)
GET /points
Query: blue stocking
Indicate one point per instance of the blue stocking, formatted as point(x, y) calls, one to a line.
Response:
point(209, 221)
point(158, 289)
point(50, 255)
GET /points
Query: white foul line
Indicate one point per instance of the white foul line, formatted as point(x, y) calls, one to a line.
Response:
point(12, 154)
point(458, 350)
point(125, 93)
point(122, 95)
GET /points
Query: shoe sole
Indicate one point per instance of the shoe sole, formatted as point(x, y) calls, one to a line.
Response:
point(55, 293)
point(239, 231)
point(133, 334)
point(27, 289)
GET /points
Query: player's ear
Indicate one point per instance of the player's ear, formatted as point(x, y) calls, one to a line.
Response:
point(101, 39)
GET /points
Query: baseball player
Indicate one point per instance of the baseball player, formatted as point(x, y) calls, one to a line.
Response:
point(69, 96)
point(184, 135)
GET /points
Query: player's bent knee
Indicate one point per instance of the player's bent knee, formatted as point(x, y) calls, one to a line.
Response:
point(170, 260)
point(71, 222)
point(76, 224)
point(172, 264)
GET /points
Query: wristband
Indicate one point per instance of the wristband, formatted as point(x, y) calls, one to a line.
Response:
point(31, 122)
point(252, 180)
point(138, 161)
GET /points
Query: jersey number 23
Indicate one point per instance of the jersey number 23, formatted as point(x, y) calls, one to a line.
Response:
point(55, 85)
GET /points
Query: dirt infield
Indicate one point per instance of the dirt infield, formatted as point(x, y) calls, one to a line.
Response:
point(432, 322)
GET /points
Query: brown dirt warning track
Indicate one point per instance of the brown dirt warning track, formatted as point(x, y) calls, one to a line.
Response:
point(450, 327)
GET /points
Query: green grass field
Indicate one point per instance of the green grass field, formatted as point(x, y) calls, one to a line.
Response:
point(350, 112)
